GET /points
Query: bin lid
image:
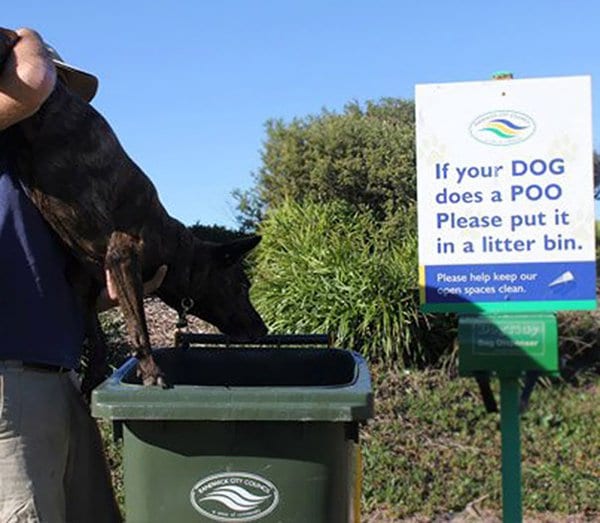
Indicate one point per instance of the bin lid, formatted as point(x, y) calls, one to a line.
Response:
point(300, 384)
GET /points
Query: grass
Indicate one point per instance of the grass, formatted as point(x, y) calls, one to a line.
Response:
point(433, 449)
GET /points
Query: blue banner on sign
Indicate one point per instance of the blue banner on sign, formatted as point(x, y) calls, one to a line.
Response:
point(508, 282)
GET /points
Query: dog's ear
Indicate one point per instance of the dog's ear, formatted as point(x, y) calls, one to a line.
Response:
point(232, 252)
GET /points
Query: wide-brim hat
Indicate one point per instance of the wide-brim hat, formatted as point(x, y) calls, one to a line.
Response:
point(81, 82)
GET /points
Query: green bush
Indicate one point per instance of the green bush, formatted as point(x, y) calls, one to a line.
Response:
point(364, 155)
point(329, 268)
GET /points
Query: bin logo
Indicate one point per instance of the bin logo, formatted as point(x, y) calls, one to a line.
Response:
point(234, 497)
point(502, 128)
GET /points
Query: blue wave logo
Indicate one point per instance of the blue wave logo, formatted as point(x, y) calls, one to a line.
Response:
point(234, 496)
point(502, 128)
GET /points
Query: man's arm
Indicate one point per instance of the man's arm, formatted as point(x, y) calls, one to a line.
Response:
point(27, 79)
point(108, 296)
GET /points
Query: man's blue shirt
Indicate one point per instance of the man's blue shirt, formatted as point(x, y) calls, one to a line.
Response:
point(40, 318)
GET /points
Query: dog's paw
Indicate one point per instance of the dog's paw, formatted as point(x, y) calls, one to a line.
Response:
point(162, 382)
point(150, 373)
point(155, 381)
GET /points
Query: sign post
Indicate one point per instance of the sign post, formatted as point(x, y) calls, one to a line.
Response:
point(512, 510)
point(506, 228)
point(509, 345)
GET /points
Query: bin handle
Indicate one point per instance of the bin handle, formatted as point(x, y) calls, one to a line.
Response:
point(185, 339)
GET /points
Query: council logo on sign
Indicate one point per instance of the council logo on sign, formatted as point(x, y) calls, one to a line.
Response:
point(234, 496)
point(502, 128)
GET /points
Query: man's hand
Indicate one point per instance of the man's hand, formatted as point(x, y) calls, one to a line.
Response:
point(108, 297)
point(26, 80)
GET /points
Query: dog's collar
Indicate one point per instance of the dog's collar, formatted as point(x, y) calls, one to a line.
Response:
point(185, 306)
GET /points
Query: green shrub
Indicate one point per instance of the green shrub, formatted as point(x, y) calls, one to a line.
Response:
point(329, 268)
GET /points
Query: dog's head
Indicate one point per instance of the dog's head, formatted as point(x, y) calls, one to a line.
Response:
point(220, 288)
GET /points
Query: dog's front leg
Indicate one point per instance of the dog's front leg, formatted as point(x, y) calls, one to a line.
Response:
point(124, 265)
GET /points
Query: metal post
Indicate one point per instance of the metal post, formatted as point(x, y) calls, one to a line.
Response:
point(512, 511)
point(511, 450)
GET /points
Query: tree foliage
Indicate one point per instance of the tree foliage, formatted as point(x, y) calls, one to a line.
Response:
point(364, 156)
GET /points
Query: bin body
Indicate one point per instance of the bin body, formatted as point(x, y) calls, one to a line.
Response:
point(266, 435)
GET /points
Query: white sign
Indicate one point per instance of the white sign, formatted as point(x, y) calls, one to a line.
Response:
point(505, 195)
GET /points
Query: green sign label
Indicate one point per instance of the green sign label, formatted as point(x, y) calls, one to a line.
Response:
point(512, 338)
point(508, 344)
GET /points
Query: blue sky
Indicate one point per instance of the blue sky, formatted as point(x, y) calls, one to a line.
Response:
point(188, 85)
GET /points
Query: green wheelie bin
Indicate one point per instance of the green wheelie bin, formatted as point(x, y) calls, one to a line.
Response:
point(245, 433)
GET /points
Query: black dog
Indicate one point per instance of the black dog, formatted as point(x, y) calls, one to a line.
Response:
point(107, 213)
